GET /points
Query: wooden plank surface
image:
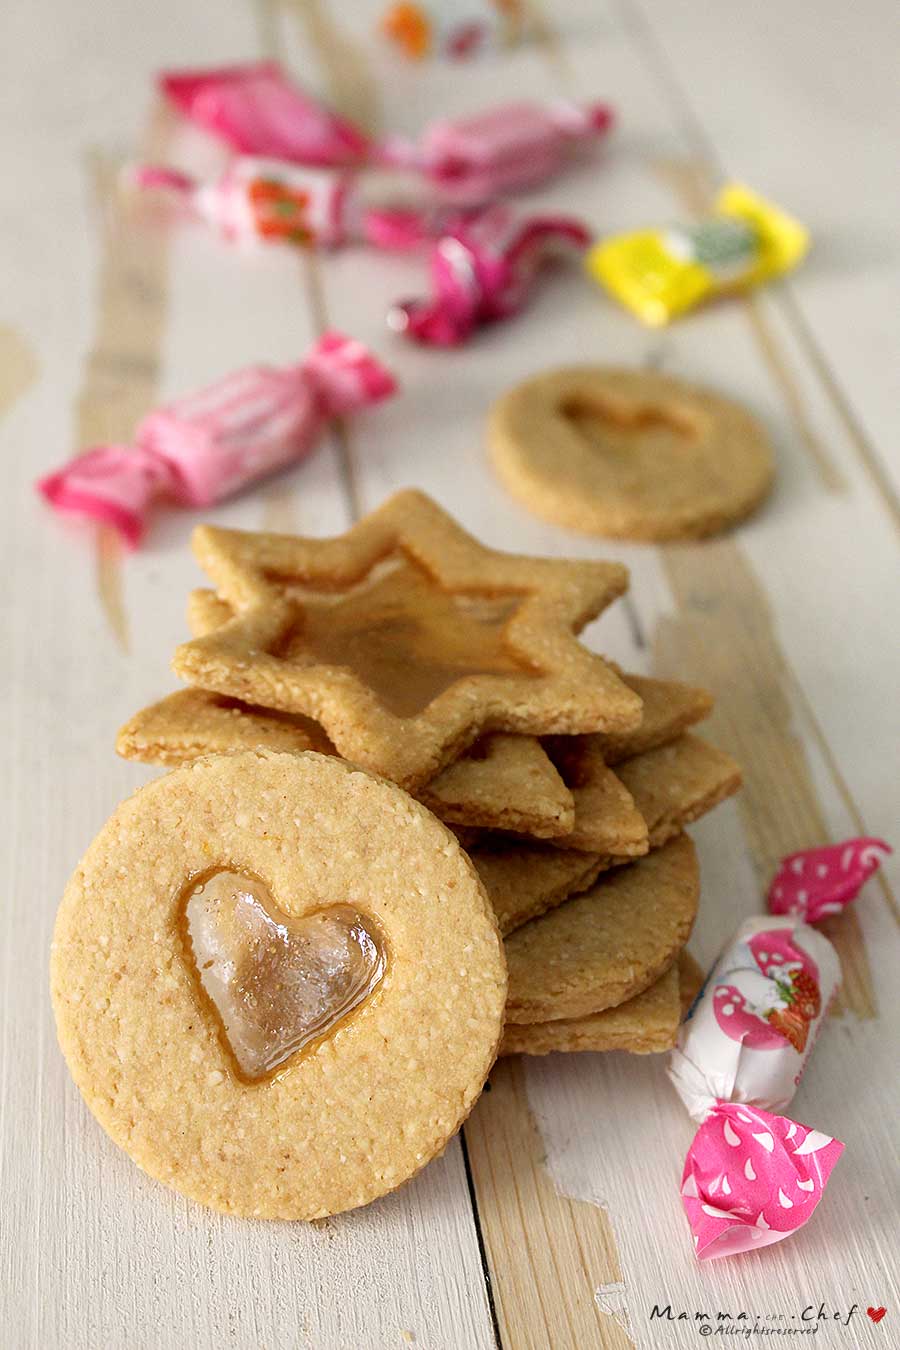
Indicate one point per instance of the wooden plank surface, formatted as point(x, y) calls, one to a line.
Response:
point(564, 1190)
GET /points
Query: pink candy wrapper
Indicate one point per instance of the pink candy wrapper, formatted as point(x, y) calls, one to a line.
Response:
point(210, 445)
point(470, 160)
point(752, 1178)
point(257, 110)
point(823, 881)
point(483, 270)
point(264, 200)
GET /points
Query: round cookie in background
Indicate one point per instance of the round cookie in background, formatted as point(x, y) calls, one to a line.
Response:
point(629, 454)
point(278, 983)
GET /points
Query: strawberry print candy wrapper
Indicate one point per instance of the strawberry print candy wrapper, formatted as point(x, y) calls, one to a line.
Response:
point(211, 444)
point(257, 110)
point(752, 1177)
point(820, 882)
point(470, 160)
point(260, 200)
point(483, 270)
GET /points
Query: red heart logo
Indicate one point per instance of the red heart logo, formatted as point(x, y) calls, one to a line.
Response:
point(876, 1314)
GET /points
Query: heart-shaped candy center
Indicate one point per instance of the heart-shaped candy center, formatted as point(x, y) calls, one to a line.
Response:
point(278, 983)
point(618, 428)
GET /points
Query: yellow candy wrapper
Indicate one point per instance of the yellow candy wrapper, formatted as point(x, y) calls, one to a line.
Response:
point(661, 273)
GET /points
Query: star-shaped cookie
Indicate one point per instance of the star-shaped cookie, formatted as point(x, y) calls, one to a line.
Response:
point(405, 638)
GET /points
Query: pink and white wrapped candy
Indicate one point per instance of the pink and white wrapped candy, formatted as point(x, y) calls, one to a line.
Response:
point(470, 160)
point(822, 881)
point(266, 200)
point(209, 445)
point(261, 113)
point(483, 270)
point(752, 1178)
point(257, 110)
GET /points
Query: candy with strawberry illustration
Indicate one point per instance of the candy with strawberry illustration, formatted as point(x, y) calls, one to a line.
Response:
point(771, 994)
point(753, 1177)
point(801, 994)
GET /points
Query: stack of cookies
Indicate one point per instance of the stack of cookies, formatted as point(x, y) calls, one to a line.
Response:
point(453, 670)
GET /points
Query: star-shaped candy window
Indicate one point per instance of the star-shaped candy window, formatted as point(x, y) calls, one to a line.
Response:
point(406, 639)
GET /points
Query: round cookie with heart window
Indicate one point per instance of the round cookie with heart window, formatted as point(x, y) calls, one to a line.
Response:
point(630, 454)
point(278, 983)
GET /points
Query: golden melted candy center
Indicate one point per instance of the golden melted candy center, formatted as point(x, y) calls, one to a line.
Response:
point(277, 983)
point(404, 636)
point(620, 429)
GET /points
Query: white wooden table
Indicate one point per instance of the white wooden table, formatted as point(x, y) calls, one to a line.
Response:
point(554, 1220)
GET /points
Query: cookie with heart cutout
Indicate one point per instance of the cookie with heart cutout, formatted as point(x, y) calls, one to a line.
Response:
point(630, 454)
point(278, 983)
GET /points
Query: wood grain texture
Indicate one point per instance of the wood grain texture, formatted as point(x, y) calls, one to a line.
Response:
point(121, 373)
point(18, 367)
point(724, 628)
point(567, 1192)
point(549, 1255)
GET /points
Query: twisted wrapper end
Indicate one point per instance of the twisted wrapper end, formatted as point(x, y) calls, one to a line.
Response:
point(752, 1178)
